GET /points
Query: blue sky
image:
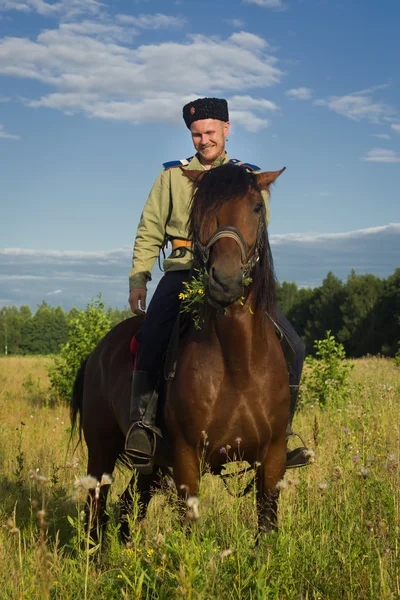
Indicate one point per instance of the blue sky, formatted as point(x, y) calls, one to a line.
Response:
point(91, 95)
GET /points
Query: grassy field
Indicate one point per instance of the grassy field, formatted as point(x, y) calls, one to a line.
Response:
point(339, 518)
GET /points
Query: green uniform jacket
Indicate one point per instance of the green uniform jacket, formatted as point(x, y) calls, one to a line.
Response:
point(165, 215)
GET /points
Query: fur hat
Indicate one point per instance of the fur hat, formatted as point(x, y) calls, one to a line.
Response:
point(205, 108)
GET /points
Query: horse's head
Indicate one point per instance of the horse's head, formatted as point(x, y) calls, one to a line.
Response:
point(227, 224)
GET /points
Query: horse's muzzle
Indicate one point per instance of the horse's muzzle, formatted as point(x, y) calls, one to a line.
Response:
point(224, 290)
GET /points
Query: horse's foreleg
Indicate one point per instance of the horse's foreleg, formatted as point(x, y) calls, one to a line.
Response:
point(186, 470)
point(268, 474)
point(143, 485)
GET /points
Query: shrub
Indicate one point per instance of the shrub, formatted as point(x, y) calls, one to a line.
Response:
point(84, 332)
point(326, 380)
point(397, 357)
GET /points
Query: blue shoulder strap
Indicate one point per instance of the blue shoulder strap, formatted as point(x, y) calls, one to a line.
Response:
point(240, 163)
point(177, 163)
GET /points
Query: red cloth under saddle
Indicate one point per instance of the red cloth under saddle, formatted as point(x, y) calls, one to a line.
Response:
point(134, 348)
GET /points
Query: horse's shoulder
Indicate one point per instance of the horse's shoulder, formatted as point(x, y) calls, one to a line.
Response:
point(172, 164)
point(241, 163)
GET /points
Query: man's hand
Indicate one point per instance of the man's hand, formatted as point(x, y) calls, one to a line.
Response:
point(137, 300)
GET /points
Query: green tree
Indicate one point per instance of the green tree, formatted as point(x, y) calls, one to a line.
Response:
point(45, 332)
point(11, 323)
point(360, 329)
point(325, 309)
point(84, 333)
point(287, 296)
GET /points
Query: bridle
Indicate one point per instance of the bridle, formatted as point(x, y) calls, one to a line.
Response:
point(249, 258)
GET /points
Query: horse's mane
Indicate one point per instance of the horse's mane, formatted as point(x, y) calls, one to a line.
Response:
point(216, 187)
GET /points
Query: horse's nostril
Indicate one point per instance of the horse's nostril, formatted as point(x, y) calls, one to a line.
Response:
point(218, 280)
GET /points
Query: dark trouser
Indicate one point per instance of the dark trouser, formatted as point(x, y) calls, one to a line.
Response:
point(153, 336)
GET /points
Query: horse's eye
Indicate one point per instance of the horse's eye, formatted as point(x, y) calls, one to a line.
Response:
point(258, 207)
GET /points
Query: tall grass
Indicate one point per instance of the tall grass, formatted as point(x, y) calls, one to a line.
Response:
point(339, 518)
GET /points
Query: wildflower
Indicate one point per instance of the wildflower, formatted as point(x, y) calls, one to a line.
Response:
point(310, 454)
point(170, 483)
point(88, 482)
point(222, 450)
point(182, 296)
point(159, 538)
point(225, 553)
point(200, 291)
point(295, 481)
point(38, 477)
point(228, 447)
point(322, 487)
point(238, 440)
point(193, 504)
point(363, 473)
point(392, 462)
point(355, 458)
point(150, 552)
point(281, 485)
point(106, 479)
point(346, 430)
point(337, 473)
point(73, 464)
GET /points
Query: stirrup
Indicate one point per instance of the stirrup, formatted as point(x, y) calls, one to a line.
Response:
point(299, 457)
point(142, 460)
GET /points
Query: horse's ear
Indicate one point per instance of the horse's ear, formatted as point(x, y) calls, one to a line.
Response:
point(265, 179)
point(195, 176)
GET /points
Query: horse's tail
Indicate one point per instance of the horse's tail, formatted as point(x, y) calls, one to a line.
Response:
point(76, 400)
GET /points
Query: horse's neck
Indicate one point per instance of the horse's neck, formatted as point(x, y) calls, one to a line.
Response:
point(240, 333)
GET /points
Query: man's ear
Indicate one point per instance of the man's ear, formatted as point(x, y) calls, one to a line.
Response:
point(265, 179)
point(195, 176)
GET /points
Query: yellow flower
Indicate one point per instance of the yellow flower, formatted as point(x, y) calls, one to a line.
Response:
point(150, 552)
point(200, 291)
point(182, 296)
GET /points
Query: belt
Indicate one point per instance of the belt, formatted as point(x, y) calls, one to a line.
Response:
point(176, 243)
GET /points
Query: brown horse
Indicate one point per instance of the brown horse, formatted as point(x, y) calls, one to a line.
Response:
point(230, 394)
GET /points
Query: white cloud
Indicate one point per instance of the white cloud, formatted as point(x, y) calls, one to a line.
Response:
point(249, 40)
point(267, 3)
point(381, 136)
point(381, 155)
point(396, 127)
point(359, 105)
point(82, 275)
point(301, 93)
point(8, 136)
point(248, 120)
point(104, 32)
point(109, 80)
point(322, 238)
point(249, 103)
point(62, 8)
point(157, 21)
point(55, 293)
point(238, 23)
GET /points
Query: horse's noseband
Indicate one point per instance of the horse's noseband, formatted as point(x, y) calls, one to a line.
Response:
point(249, 259)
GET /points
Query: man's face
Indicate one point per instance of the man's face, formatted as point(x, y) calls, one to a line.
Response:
point(208, 137)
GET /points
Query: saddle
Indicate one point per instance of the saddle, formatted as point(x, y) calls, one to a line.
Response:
point(181, 325)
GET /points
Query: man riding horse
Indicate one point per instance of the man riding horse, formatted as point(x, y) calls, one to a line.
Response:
point(164, 218)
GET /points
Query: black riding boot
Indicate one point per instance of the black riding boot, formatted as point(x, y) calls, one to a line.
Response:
point(141, 438)
point(299, 457)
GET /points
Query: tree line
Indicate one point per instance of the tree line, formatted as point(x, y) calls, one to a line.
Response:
point(362, 313)
point(44, 332)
